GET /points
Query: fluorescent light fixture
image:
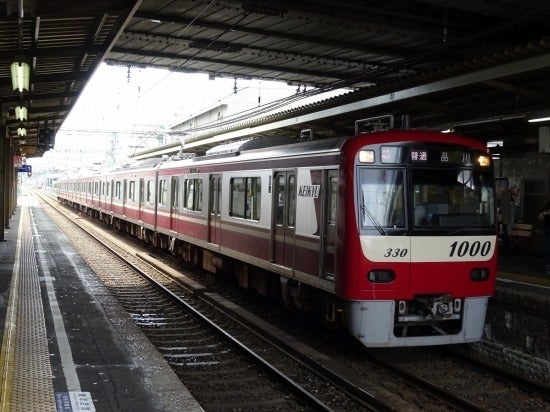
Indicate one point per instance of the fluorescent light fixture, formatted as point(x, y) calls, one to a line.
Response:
point(21, 131)
point(21, 113)
point(20, 76)
point(539, 119)
point(495, 143)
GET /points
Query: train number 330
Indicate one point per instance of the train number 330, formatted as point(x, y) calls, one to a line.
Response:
point(465, 247)
point(396, 252)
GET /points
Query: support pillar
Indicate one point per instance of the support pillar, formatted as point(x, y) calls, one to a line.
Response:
point(4, 185)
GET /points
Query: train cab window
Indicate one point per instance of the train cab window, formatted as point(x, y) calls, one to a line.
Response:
point(454, 198)
point(245, 197)
point(193, 194)
point(382, 198)
point(163, 192)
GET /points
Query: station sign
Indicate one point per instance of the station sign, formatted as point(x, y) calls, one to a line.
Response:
point(25, 169)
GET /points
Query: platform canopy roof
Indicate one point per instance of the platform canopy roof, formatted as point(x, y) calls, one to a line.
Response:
point(479, 67)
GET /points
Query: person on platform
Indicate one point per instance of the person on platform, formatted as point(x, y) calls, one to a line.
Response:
point(544, 216)
point(506, 217)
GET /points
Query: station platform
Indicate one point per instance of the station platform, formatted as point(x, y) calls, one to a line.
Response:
point(60, 351)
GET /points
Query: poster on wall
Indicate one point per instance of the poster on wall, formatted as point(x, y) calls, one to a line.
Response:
point(515, 184)
point(516, 188)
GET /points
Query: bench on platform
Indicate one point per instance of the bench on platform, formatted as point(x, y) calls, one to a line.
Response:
point(520, 234)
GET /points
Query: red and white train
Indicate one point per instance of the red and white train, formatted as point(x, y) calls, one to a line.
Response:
point(392, 233)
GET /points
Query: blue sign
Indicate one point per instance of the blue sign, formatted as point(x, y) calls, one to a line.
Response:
point(25, 169)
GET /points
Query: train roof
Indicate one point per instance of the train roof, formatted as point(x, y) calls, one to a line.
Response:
point(281, 146)
point(272, 148)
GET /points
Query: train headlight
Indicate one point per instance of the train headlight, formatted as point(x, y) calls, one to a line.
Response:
point(366, 156)
point(479, 274)
point(381, 276)
point(402, 307)
point(484, 161)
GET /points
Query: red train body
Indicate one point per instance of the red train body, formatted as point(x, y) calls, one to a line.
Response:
point(392, 233)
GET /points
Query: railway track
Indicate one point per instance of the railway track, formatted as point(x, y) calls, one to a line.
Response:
point(209, 350)
point(215, 361)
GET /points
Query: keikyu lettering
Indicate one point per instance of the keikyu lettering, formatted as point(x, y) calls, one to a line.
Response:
point(309, 190)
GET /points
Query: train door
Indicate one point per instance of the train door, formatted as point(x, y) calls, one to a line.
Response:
point(141, 199)
point(284, 217)
point(328, 242)
point(214, 222)
point(124, 196)
point(174, 202)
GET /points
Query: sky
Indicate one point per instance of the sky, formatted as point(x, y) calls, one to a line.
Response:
point(118, 105)
point(118, 99)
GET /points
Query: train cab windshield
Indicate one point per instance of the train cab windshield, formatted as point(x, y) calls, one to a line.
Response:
point(445, 198)
point(450, 198)
point(382, 198)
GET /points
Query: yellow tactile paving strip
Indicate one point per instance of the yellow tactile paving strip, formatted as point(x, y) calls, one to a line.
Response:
point(519, 277)
point(26, 376)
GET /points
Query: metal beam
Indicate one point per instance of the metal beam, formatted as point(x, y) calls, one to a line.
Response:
point(188, 57)
point(534, 63)
point(273, 53)
point(385, 51)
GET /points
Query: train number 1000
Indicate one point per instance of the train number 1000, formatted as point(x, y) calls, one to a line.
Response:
point(474, 248)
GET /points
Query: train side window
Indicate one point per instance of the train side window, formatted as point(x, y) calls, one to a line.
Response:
point(215, 188)
point(149, 192)
point(246, 197)
point(198, 198)
point(280, 194)
point(236, 208)
point(132, 191)
point(291, 201)
point(175, 193)
point(332, 197)
point(163, 192)
point(118, 190)
point(141, 190)
point(193, 194)
point(254, 197)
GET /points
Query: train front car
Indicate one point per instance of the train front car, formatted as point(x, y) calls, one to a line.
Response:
point(418, 263)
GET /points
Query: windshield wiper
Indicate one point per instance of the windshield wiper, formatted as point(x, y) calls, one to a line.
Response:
point(375, 222)
point(461, 229)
